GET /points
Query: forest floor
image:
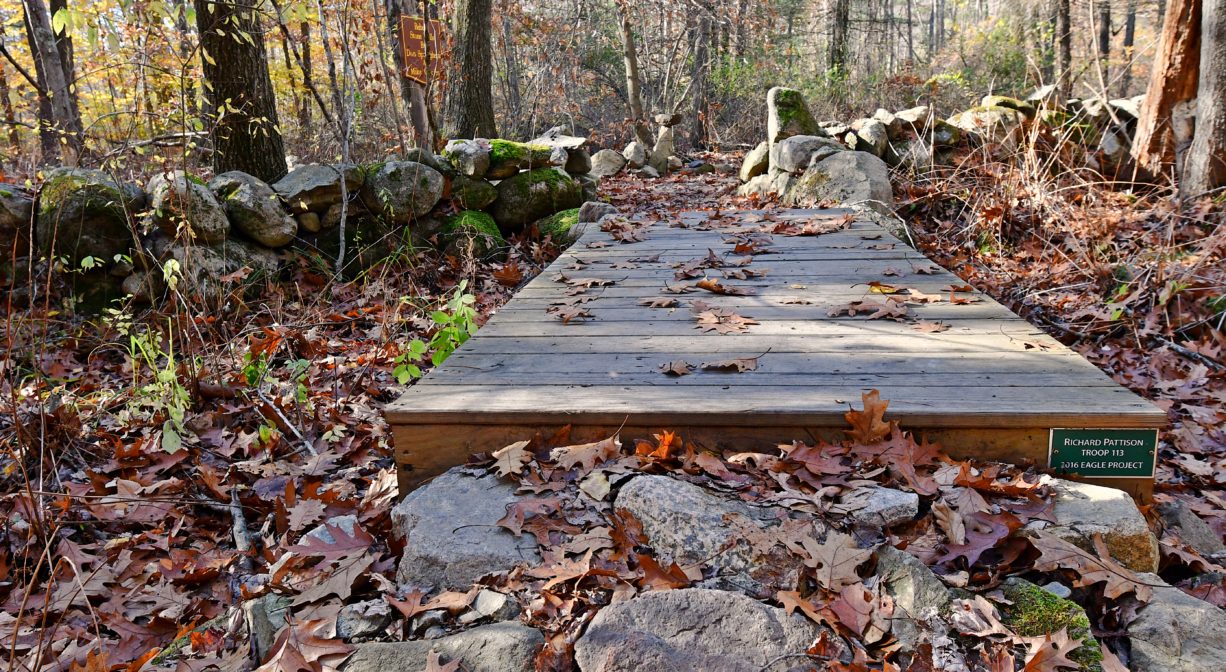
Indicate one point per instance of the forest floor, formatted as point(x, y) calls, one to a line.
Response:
point(113, 538)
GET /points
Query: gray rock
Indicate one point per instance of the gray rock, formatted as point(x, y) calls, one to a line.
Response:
point(648, 171)
point(347, 524)
point(695, 527)
point(264, 618)
point(363, 620)
point(1114, 146)
point(917, 117)
point(178, 201)
point(490, 604)
point(636, 154)
point(1176, 632)
point(756, 162)
point(557, 137)
point(590, 185)
point(1190, 528)
point(254, 208)
point(943, 134)
point(662, 153)
point(592, 211)
point(558, 157)
point(918, 593)
point(402, 191)
point(534, 195)
point(436, 161)
point(846, 178)
point(451, 532)
point(787, 115)
point(315, 188)
point(85, 213)
point(578, 161)
point(204, 267)
point(472, 193)
point(692, 630)
point(868, 135)
point(1058, 589)
point(794, 154)
point(773, 183)
point(469, 157)
point(876, 506)
point(1026, 108)
point(914, 155)
point(1082, 510)
point(16, 207)
point(669, 120)
point(990, 124)
point(500, 647)
point(144, 286)
point(607, 163)
point(1127, 109)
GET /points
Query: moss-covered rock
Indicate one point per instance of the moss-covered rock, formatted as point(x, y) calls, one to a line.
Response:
point(401, 191)
point(254, 208)
point(992, 124)
point(468, 157)
point(559, 226)
point(1035, 612)
point(315, 188)
point(179, 203)
point(84, 213)
point(473, 233)
point(787, 114)
point(508, 157)
point(533, 195)
point(472, 193)
point(214, 273)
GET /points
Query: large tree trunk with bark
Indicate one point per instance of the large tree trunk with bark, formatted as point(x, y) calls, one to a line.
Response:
point(1206, 165)
point(470, 100)
point(1064, 62)
point(1172, 83)
point(701, 79)
point(65, 118)
point(245, 131)
point(838, 36)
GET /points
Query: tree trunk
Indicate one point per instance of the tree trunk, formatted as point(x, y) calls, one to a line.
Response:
point(634, 91)
point(838, 37)
point(511, 64)
point(1104, 44)
point(1064, 64)
point(700, 80)
point(412, 92)
point(10, 119)
point(470, 100)
point(1130, 38)
point(245, 131)
point(66, 119)
point(191, 108)
point(1206, 169)
point(1172, 82)
point(304, 105)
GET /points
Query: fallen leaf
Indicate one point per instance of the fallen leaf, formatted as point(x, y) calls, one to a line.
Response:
point(586, 455)
point(1050, 653)
point(869, 425)
point(835, 559)
point(739, 365)
point(676, 368)
point(659, 302)
point(511, 459)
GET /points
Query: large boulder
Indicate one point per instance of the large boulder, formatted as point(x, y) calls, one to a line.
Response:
point(16, 208)
point(868, 135)
point(508, 158)
point(578, 161)
point(468, 157)
point(315, 188)
point(1191, 529)
point(1025, 107)
point(636, 154)
point(693, 629)
point(451, 532)
point(1176, 632)
point(694, 527)
point(592, 211)
point(215, 272)
point(535, 194)
point(182, 202)
point(846, 178)
point(663, 151)
point(84, 213)
point(561, 227)
point(254, 208)
point(787, 115)
point(771, 184)
point(990, 124)
point(607, 163)
point(1082, 510)
point(794, 154)
point(473, 233)
point(757, 160)
point(402, 191)
point(498, 647)
point(472, 193)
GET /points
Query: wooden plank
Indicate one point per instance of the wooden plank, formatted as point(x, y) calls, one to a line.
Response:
point(686, 326)
point(536, 310)
point(701, 378)
point(920, 404)
point(425, 451)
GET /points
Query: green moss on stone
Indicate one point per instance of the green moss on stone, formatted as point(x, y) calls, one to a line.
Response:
point(1035, 612)
point(473, 230)
point(558, 226)
point(1010, 103)
point(509, 151)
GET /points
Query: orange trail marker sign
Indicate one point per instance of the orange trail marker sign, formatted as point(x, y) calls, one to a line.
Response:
point(418, 53)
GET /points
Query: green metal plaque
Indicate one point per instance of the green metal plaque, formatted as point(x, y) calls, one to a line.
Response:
point(1104, 453)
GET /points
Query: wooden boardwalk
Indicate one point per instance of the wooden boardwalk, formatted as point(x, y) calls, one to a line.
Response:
point(585, 344)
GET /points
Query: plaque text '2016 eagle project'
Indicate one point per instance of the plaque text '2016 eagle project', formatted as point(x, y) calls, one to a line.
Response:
point(1104, 453)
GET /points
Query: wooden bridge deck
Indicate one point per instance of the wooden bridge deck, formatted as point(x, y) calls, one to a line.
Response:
point(955, 365)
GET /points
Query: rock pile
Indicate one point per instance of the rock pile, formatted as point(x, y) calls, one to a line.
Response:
point(807, 162)
point(228, 234)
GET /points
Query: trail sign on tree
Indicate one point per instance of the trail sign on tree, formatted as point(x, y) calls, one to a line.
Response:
point(422, 59)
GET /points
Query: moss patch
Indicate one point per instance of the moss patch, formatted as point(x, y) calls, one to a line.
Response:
point(475, 231)
point(558, 226)
point(509, 151)
point(1034, 612)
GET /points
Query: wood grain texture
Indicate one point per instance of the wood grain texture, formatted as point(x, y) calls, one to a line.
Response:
point(986, 385)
